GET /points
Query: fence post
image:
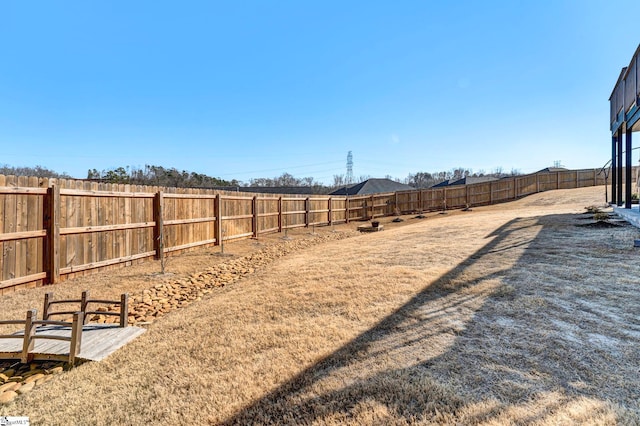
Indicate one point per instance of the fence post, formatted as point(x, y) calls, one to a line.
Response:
point(491, 192)
point(48, 297)
point(158, 230)
point(76, 336)
point(217, 211)
point(84, 302)
point(306, 212)
point(330, 206)
point(346, 209)
point(395, 204)
point(51, 221)
point(444, 198)
point(254, 219)
point(557, 180)
point(124, 310)
point(279, 214)
point(29, 331)
point(373, 207)
point(420, 208)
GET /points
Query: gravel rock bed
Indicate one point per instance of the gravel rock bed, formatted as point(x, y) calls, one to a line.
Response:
point(153, 302)
point(17, 379)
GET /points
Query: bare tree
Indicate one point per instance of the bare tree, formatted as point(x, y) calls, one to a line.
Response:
point(421, 180)
point(37, 171)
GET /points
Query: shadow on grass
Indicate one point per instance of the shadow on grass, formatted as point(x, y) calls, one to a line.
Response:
point(500, 362)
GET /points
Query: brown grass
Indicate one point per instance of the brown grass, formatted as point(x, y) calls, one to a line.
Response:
point(507, 314)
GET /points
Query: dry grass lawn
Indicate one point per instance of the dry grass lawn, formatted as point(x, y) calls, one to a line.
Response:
point(507, 314)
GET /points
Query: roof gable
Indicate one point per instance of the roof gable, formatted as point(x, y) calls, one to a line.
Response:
point(372, 186)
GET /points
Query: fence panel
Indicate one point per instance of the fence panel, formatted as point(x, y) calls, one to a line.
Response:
point(381, 205)
point(338, 212)
point(358, 207)
point(567, 180)
point(433, 199)
point(237, 217)
point(479, 194)
point(188, 220)
point(294, 211)
point(502, 190)
point(527, 185)
point(547, 181)
point(408, 201)
point(456, 197)
point(267, 214)
point(319, 211)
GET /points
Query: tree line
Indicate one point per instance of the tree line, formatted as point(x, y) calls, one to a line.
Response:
point(427, 180)
point(37, 171)
point(158, 176)
point(172, 177)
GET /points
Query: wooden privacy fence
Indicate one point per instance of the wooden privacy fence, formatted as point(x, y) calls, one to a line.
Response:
point(55, 229)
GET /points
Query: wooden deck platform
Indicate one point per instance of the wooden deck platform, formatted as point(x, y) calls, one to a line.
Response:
point(98, 342)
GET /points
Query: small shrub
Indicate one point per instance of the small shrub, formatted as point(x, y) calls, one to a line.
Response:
point(504, 291)
point(592, 209)
point(600, 216)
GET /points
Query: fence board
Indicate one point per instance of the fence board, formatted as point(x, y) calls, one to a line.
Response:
point(92, 220)
point(85, 220)
point(9, 247)
point(21, 226)
point(34, 223)
point(128, 240)
point(40, 242)
point(101, 215)
point(119, 219)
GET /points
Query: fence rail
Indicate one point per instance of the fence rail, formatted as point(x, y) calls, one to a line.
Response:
point(55, 229)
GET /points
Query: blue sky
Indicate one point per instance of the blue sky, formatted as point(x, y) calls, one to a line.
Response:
point(254, 89)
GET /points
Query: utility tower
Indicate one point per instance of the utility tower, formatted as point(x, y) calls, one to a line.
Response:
point(349, 177)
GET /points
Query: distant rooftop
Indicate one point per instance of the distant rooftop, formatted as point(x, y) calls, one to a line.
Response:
point(465, 181)
point(552, 170)
point(372, 186)
point(269, 189)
